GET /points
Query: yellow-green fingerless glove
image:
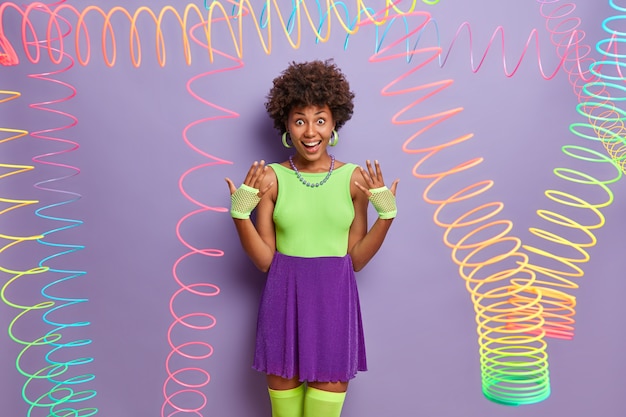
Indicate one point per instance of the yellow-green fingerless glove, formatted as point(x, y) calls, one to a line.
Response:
point(243, 201)
point(384, 202)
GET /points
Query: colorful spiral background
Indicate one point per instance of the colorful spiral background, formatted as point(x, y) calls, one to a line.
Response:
point(523, 294)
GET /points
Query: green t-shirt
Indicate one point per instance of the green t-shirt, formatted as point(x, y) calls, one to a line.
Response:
point(313, 221)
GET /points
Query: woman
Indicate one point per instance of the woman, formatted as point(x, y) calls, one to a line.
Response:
point(310, 235)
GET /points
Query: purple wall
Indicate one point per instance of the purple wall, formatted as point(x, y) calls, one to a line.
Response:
point(419, 318)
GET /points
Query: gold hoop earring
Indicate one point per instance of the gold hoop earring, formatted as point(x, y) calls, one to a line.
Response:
point(334, 138)
point(285, 144)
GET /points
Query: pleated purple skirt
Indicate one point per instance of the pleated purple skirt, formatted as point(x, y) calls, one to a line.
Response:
point(309, 324)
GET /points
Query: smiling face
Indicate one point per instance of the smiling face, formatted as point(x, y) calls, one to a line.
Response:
point(310, 128)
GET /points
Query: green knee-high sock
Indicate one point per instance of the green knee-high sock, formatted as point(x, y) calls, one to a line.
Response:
point(287, 403)
point(318, 403)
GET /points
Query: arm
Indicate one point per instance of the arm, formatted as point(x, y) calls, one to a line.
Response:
point(259, 242)
point(363, 244)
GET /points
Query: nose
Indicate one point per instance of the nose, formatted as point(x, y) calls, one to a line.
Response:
point(310, 130)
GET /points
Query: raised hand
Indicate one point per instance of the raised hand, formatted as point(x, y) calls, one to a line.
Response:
point(254, 179)
point(245, 198)
point(373, 179)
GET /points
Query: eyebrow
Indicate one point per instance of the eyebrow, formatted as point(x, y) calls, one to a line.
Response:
point(319, 112)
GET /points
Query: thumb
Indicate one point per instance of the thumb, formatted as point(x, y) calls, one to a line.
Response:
point(394, 185)
point(231, 186)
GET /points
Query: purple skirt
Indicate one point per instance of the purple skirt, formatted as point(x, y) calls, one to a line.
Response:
point(309, 324)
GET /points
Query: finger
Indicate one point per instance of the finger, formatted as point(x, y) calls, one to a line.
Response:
point(257, 178)
point(259, 168)
point(265, 189)
point(379, 172)
point(251, 172)
point(231, 186)
point(366, 177)
point(365, 190)
point(394, 186)
point(370, 170)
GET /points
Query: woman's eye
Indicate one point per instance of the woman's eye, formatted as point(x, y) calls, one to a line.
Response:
point(321, 121)
point(299, 122)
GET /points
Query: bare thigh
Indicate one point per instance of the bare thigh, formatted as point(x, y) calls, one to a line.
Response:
point(341, 386)
point(279, 383)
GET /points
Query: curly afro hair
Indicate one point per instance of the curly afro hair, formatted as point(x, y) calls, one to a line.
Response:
point(316, 83)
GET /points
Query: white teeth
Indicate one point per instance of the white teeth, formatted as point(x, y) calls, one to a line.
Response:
point(310, 145)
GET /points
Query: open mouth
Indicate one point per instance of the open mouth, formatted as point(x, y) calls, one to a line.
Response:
point(311, 145)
